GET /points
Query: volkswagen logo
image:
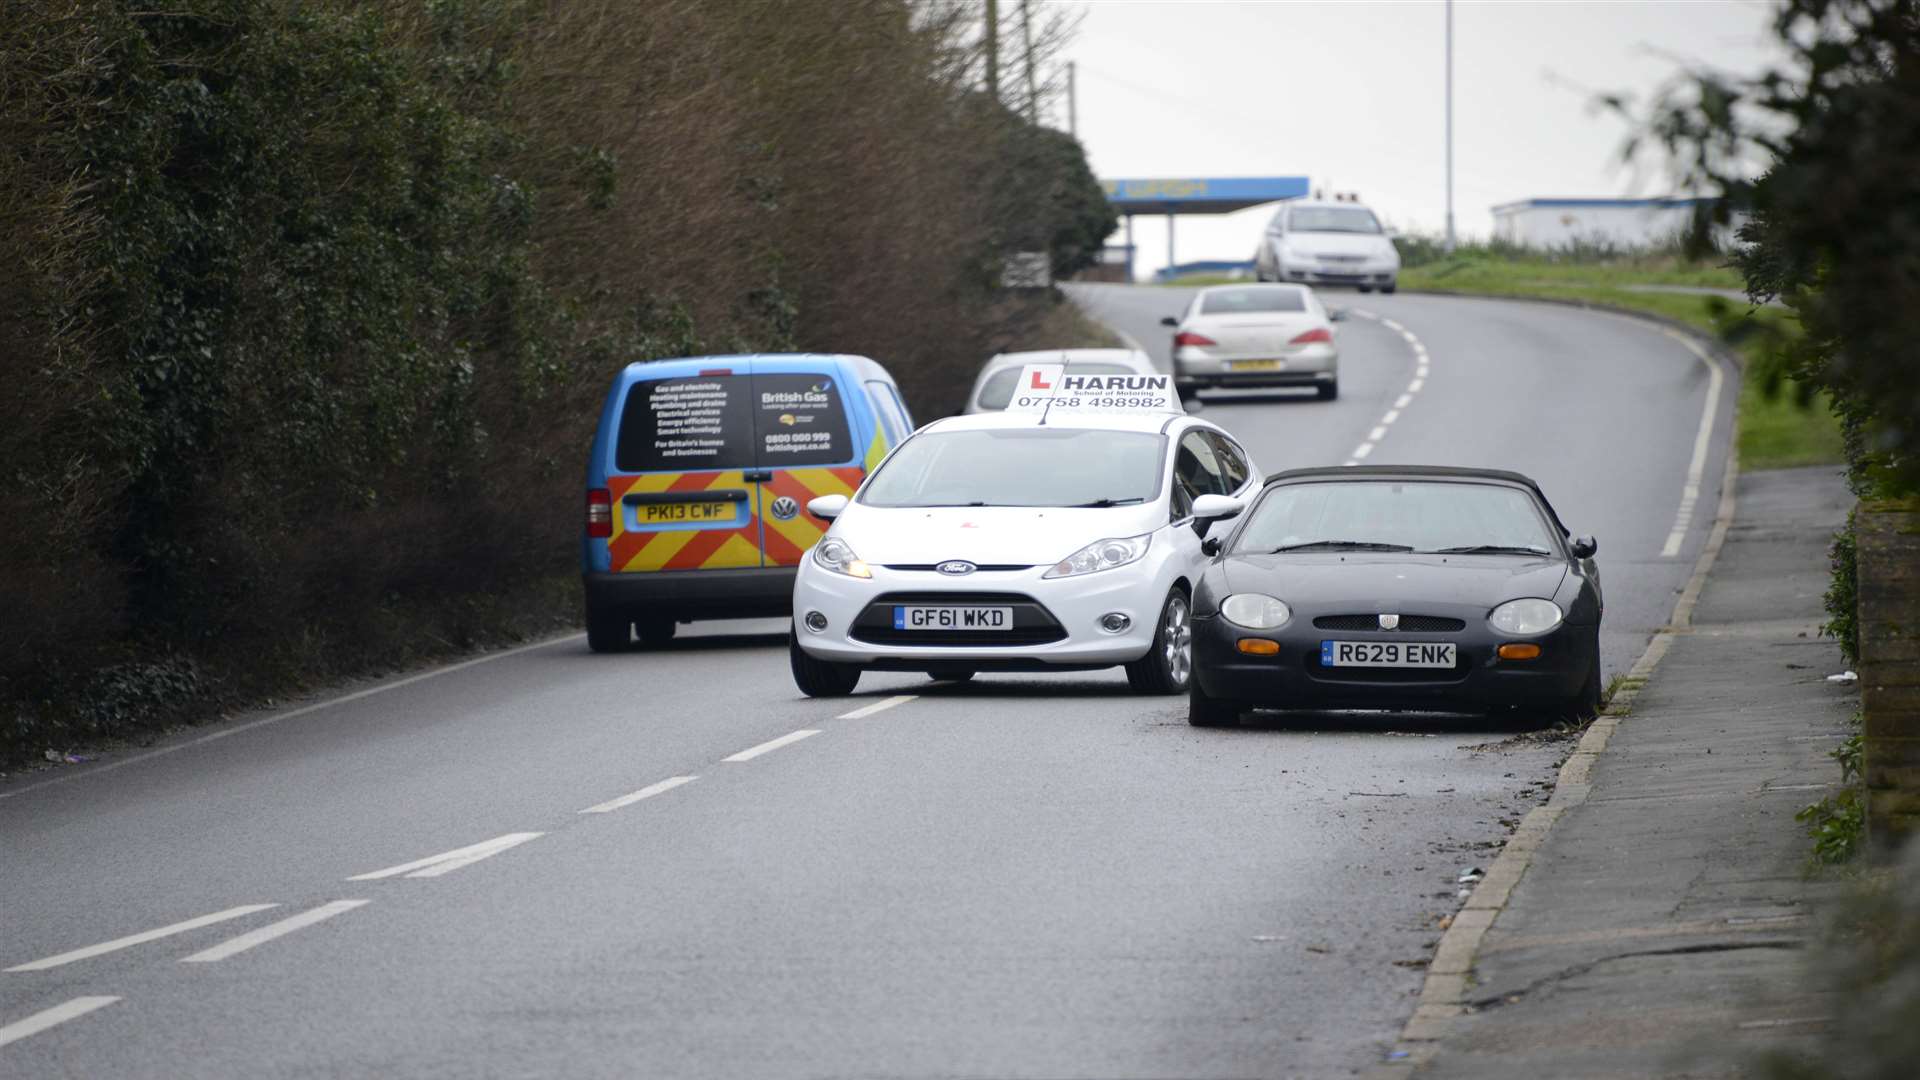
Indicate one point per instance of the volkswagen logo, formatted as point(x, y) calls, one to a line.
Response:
point(1389, 622)
point(784, 508)
point(956, 567)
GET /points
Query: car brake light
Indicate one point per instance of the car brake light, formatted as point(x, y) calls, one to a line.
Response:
point(1188, 337)
point(1311, 336)
point(599, 513)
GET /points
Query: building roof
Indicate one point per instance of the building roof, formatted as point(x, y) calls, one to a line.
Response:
point(1601, 204)
point(1201, 195)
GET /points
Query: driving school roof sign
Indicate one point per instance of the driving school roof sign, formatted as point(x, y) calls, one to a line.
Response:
point(1048, 389)
point(1219, 195)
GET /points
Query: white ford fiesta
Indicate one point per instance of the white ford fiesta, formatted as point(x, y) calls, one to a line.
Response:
point(1061, 540)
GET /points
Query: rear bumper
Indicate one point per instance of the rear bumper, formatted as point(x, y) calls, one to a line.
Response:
point(1315, 365)
point(687, 595)
point(1295, 679)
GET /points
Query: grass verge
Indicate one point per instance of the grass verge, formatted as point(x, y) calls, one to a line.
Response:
point(1777, 430)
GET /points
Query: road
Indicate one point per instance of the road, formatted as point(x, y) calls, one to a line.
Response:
point(1022, 877)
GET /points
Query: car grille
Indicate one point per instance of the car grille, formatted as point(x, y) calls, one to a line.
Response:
point(1033, 624)
point(980, 568)
point(1345, 259)
point(1409, 624)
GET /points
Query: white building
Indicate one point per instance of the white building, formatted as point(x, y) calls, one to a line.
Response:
point(1621, 223)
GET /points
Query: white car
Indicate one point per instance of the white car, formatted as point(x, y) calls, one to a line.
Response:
point(1328, 243)
point(1244, 336)
point(1014, 542)
point(994, 386)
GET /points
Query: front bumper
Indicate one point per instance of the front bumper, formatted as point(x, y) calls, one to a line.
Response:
point(1296, 679)
point(1066, 610)
point(1338, 276)
point(686, 595)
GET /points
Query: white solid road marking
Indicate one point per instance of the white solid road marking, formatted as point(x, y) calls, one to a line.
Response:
point(141, 938)
point(1421, 362)
point(291, 713)
point(46, 1018)
point(647, 792)
point(447, 861)
point(1702, 441)
point(236, 945)
point(771, 745)
point(879, 706)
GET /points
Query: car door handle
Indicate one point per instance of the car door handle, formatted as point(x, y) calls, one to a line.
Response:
point(758, 476)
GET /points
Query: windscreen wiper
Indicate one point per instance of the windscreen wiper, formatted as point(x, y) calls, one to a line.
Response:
point(1340, 545)
point(1105, 502)
point(1490, 549)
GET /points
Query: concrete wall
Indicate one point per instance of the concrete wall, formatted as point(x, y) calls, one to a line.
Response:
point(1888, 544)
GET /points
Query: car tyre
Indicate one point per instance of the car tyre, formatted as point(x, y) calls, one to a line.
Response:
point(1168, 666)
point(608, 631)
point(1328, 391)
point(821, 678)
point(1364, 288)
point(1388, 289)
point(656, 631)
point(1584, 705)
point(1207, 711)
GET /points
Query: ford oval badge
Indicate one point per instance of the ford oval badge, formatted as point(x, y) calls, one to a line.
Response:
point(956, 567)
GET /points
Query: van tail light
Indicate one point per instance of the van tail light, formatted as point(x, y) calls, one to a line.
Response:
point(1312, 336)
point(599, 513)
point(1188, 337)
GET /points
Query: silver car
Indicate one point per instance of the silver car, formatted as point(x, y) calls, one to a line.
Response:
point(1242, 336)
point(1328, 243)
point(994, 386)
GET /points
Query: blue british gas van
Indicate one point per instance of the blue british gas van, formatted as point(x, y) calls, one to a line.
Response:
point(699, 479)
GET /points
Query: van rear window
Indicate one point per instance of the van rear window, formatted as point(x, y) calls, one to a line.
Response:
point(721, 422)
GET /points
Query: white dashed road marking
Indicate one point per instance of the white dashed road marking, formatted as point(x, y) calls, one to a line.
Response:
point(46, 1018)
point(878, 706)
point(142, 938)
point(771, 745)
point(1421, 361)
point(447, 861)
point(647, 792)
point(235, 946)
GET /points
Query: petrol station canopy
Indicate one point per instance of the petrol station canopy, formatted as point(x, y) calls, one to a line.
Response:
point(1201, 195)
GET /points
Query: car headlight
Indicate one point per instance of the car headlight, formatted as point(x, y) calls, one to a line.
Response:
point(1255, 611)
point(837, 555)
point(1101, 555)
point(1526, 617)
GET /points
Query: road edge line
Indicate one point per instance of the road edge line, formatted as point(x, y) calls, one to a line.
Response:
point(1443, 997)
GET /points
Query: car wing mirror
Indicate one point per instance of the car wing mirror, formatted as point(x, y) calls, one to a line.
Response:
point(1208, 509)
point(827, 507)
point(1585, 547)
point(1169, 320)
point(1336, 314)
point(1211, 546)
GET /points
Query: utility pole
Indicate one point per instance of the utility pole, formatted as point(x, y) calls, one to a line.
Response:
point(1450, 236)
point(992, 49)
point(1073, 108)
point(1026, 42)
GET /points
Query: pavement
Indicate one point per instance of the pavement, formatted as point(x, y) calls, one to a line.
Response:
point(1659, 928)
point(549, 862)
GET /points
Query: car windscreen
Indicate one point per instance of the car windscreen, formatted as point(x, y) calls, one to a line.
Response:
point(1418, 516)
point(1341, 219)
point(1035, 466)
point(1251, 299)
point(732, 421)
point(997, 391)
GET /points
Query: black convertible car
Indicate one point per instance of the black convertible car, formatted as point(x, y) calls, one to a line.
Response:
point(1397, 587)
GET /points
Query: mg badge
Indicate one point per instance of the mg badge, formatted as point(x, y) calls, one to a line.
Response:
point(1389, 622)
point(784, 508)
point(956, 567)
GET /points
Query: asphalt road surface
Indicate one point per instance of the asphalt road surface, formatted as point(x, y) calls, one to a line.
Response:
point(503, 868)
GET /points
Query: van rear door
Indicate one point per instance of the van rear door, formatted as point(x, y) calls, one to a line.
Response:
point(816, 435)
point(684, 486)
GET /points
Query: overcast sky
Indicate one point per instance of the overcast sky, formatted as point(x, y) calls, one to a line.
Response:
point(1351, 94)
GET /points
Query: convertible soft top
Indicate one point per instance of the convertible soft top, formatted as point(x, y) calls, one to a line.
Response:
point(1439, 472)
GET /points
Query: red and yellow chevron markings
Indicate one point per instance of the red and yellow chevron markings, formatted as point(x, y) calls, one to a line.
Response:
point(644, 550)
point(787, 541)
